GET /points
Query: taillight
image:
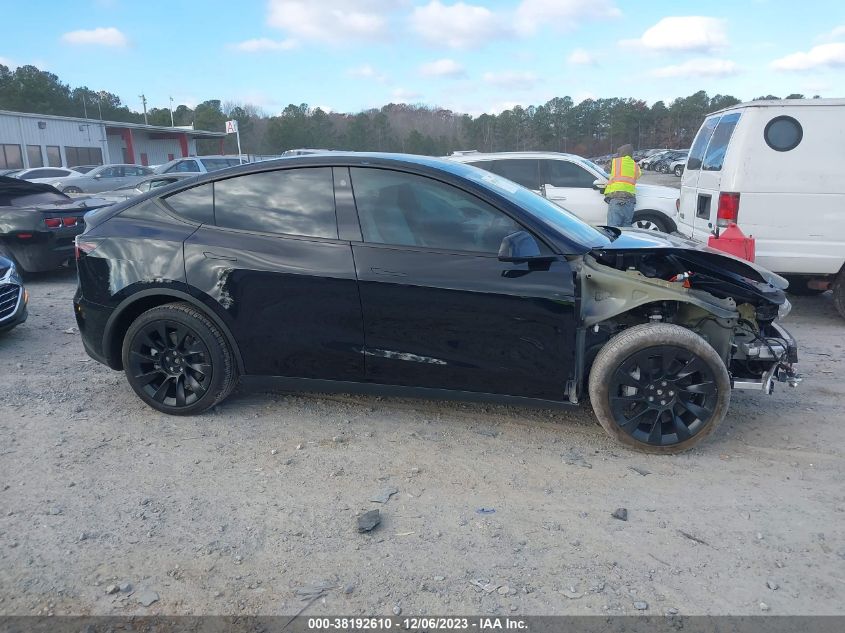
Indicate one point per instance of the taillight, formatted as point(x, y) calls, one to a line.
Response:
point(728, 208)
point(83, 248)
point(678, 204)
point(53, 223)
point(69, 221)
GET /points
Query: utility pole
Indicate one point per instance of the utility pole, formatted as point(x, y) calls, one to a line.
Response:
point(144, 102)
point(172, 124)
point(84, 107)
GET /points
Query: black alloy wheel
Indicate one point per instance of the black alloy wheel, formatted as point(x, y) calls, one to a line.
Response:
point(659, 388)
point(663, 395)
point(170, 363)
point(177, 360)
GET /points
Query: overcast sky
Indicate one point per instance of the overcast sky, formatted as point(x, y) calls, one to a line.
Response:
point(469, 56)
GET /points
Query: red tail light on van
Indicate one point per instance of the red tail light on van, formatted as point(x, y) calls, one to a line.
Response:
point(728, 209)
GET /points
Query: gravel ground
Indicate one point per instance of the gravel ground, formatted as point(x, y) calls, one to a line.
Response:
point(107, 507)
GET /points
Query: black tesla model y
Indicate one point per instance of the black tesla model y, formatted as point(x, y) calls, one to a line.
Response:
point(419, 276)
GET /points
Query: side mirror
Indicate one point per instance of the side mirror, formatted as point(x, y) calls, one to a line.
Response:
point(599, 184)
point(97, 176)
point(519, 247)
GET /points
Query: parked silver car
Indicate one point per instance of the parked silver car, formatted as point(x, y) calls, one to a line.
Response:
point(102, 178)
point(143, 186)
point(199, 164)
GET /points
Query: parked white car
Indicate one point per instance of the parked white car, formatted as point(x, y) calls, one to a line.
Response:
point(199, 164)
point(577, 185)
point(677, 166)
point(42, 174)
point(774, 168)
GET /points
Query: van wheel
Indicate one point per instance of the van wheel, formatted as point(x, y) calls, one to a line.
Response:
point(653, 221)
point(177, 360)
point(839, 293)
point(679, 171)
point(659, 388)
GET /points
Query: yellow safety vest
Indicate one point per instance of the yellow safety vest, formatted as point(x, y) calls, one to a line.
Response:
point(624, 173)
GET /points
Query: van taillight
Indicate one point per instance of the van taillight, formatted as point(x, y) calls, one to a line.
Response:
point(728, 208)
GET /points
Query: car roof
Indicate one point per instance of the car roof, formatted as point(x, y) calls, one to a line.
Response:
point(473, 156)
point(235, 156)
point(343, 158)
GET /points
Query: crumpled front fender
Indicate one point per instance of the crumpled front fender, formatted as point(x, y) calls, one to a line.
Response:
point(607, 292)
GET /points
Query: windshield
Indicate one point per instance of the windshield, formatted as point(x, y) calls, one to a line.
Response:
point(549, 213)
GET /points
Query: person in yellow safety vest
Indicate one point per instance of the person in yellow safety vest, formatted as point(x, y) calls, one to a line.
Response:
point(621, 190)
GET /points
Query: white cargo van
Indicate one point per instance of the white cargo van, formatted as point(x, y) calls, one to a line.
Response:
point(776, 169)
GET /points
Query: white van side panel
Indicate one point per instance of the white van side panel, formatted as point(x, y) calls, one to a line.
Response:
point(792, 202)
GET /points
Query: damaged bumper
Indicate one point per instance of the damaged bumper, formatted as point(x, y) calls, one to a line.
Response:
point(777, 348)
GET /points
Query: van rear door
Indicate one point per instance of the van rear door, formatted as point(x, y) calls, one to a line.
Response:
point(701, 186)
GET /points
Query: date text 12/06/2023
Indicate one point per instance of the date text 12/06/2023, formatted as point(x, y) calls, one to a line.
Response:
point(414, 623)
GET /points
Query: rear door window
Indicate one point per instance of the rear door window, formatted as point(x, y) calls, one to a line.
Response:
point(714, 158)
point(288, 201)
point(525, 172)
point(195, 204)
point(562, 173)
point(699, 146)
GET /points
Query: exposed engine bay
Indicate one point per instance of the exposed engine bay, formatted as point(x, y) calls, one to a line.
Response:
point(730, 303)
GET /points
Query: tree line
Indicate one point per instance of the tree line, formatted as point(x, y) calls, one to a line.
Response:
point(589, 128)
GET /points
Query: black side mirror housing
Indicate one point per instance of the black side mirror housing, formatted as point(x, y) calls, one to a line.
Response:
point(599, 184)
point(519, 247)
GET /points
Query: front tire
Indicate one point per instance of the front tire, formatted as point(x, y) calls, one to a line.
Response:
point(679, 171)
point(71, 190)
point(659, 388)
point(177, 360)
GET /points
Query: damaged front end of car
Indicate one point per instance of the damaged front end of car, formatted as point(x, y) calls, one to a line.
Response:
point(732, 304)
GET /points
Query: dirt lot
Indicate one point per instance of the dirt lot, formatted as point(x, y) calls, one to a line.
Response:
point(238, 510)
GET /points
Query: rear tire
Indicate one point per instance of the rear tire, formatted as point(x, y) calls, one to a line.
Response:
point(177, 360)
point(653, 221)
point(659, 388)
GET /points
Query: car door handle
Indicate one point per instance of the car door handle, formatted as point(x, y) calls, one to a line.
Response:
point(387, 273)
point(210, 255)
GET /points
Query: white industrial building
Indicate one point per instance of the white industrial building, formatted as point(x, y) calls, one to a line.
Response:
point(38, 140)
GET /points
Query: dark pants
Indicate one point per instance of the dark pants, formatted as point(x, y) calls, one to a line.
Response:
point(620, 211)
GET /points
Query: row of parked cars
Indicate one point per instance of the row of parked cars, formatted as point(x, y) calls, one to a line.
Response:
point(670, 161)
point(664, 161)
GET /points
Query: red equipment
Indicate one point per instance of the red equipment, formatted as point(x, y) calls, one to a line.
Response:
point(732, 240)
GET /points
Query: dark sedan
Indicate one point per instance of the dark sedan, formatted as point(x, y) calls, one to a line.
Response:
point(13, 296)
point(38, 223)
point(418, 276)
